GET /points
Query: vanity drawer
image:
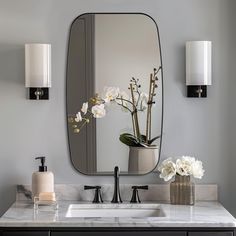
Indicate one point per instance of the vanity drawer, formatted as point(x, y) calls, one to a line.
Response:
point(212, 233)
point(123, 233)
point(25, 233)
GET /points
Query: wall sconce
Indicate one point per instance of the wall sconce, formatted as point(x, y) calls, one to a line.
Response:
point(198, 68)
point(38, 70)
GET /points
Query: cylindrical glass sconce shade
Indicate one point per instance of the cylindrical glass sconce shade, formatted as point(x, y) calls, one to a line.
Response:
point(37, 65)
point(198, 63)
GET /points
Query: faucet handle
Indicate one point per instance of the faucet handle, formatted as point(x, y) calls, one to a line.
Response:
point(97, 195)
point(135, 196)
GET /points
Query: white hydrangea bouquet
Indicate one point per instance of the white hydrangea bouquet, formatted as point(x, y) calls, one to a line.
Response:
point(183, 166)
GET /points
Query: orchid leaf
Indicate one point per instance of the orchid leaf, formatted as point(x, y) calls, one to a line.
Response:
point(153, 139)
point(129, 139)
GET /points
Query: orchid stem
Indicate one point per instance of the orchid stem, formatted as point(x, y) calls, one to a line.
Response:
point(134, 114)
point(149, 110)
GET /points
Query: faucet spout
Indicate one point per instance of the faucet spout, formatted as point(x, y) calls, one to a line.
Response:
point(116, 196)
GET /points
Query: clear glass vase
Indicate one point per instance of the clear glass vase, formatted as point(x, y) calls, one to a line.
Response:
point(182, 191)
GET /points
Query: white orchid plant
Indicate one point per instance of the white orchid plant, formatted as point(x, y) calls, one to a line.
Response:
point(138, 101)
point(183, 166)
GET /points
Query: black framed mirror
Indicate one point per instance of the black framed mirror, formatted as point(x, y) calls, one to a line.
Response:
point(114, 64)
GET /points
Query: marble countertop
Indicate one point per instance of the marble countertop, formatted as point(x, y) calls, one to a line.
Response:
point(202, 214)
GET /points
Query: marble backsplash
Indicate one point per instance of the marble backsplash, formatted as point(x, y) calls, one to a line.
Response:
point(156, 192)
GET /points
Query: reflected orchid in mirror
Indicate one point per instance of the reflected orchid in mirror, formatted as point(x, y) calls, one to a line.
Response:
point(78, 117)
point(138, 101)
point(84, 108)
point(111, 93)
point(98, 111)
point(183, 166)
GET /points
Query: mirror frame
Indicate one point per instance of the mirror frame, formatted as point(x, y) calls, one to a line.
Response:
point(162, 87)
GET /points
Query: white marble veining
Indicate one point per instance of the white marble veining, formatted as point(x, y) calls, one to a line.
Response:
point(202, 214)
point(156, 192)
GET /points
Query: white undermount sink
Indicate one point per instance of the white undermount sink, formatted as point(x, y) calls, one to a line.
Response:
point(115, 210)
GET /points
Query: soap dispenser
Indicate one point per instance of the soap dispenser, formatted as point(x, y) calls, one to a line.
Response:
point(42, 180)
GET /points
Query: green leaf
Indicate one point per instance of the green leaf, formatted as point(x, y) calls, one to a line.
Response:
point(152, 140)
point(142, 141)
point(129, 139)
point(143, 138)
point(128, 134)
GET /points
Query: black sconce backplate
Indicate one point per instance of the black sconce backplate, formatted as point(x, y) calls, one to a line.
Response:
point(197, 91)
point(44, 93)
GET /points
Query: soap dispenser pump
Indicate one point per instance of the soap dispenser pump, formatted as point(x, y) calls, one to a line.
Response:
point(42, 168)
point(42, 180)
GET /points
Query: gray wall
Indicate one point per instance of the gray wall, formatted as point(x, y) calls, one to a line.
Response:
point(204, 128)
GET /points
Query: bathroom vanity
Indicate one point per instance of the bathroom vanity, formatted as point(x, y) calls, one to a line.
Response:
point(204, 219)
point(81, 217)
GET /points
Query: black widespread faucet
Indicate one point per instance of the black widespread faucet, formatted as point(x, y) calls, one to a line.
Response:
point(116, 196)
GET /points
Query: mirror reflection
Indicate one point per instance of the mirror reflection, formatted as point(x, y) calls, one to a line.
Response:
point(114, 93)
